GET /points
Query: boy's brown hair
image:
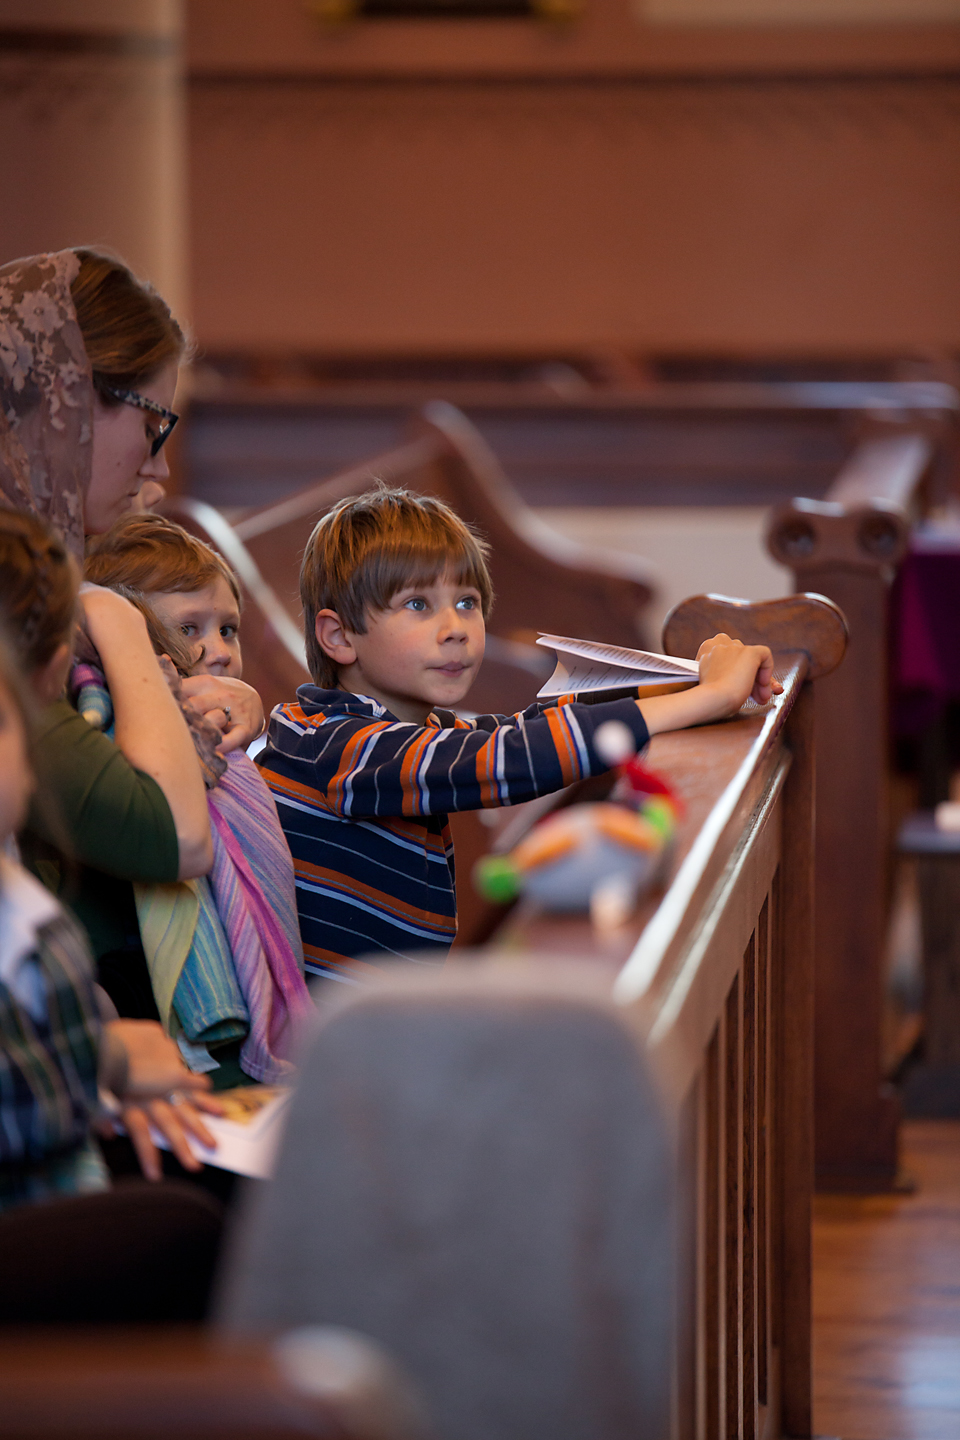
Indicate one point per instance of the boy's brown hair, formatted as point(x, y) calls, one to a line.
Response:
point(145, 552)
point(368, 547)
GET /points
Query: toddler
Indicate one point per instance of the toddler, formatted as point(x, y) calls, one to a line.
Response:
point(224, 953)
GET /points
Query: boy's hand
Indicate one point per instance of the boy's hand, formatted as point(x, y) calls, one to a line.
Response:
point(154, 1064)
point(730, 672)
point(735, 672)
point(235, 708)
point(177, 1120)
point(156, 1089)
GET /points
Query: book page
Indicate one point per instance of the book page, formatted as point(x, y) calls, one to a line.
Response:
point(585, 666)
point(644, 661)
point(247, 1134)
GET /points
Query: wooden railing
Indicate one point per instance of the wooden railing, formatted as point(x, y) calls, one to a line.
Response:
point(719, 970)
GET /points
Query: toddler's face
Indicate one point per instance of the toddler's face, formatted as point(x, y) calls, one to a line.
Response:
point(207, 617)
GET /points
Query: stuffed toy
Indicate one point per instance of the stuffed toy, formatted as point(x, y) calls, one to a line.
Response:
point(596, 857)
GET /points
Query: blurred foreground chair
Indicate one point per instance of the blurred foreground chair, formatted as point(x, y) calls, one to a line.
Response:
point(475, 1173)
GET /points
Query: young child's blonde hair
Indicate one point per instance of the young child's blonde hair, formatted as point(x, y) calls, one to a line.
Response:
point(368, 547)
point(145, 552)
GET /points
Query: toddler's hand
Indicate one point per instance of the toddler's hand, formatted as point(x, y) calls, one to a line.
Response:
point(734, 672)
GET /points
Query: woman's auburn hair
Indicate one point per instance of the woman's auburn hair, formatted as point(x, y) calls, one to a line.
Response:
point(148, 553)
point(369, 547)
point(128, 331)
point(38, 587)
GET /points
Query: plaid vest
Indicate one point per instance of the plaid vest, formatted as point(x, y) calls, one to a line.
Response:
point(48, 1070)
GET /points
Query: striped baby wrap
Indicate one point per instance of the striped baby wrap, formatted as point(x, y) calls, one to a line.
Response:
point(224, 952)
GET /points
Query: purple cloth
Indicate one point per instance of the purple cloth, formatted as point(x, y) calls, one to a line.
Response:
point(252, 885)
point(925, 633)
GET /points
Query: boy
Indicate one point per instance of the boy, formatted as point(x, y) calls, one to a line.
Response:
point(365, 765)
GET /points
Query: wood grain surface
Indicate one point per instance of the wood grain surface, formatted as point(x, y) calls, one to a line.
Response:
point(886, 1300)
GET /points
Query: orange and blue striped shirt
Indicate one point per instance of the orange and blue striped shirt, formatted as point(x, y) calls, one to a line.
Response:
point(363, 799)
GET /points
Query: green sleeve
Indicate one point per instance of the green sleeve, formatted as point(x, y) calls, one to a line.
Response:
point(116, 818)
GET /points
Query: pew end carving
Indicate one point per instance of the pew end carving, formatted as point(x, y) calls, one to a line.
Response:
point(847, 546)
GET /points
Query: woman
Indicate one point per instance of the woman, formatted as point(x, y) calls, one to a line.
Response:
point(88, 373)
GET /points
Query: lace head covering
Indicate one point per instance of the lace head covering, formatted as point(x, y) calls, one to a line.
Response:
point(46, 394)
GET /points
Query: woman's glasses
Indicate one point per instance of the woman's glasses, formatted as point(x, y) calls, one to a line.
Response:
point(167, 417)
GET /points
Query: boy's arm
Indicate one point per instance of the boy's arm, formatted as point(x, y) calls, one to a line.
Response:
point(360, 768)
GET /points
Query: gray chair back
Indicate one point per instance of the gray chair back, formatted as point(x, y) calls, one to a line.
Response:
point(477, 1175)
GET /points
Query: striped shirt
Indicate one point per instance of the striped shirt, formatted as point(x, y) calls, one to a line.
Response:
point(363, 799)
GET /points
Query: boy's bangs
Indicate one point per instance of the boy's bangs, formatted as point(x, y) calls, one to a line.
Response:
point(404, 567)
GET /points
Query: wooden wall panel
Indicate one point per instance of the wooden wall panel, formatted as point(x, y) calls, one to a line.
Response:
point(504, 187)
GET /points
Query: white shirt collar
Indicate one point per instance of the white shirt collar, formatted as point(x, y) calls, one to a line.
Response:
point(26, 907)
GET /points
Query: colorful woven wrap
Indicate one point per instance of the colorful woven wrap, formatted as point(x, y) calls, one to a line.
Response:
point(252, 886)
point(224, 952)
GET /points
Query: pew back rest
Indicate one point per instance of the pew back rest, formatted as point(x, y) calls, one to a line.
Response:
point(540, 578)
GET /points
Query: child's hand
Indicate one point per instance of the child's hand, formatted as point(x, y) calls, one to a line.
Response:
point(733, 672)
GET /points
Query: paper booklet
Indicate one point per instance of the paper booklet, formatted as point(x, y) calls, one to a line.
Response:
point(248, 1133)
point(584, 667)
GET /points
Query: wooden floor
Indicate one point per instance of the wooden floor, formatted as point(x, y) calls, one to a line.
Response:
point(887, 1301)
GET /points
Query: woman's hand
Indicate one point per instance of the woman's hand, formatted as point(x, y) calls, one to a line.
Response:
point(235, 708)
point(108, 618)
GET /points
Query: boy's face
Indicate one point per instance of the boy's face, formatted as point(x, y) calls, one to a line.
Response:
point(207, 617)
point(424, 650)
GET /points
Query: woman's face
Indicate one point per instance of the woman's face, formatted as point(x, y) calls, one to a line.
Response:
point(122, 463)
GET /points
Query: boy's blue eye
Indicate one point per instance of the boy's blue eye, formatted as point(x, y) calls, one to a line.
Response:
point(467, 602)
point(417, 603)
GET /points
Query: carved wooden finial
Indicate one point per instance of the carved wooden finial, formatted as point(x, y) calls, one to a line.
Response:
point(792, 625)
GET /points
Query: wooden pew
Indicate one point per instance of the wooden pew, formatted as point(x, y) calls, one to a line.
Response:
point(716, 972)
point(718, 969)
point(154, 1382)
point(867, 458)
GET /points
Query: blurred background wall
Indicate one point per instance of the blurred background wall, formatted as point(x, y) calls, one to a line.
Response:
point(632, 178)
point(92, 123)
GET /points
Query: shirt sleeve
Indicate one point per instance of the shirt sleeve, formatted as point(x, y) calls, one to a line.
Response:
point(358, 767)
point(115, 818)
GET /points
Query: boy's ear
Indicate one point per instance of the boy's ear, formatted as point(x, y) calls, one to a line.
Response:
point(332, 638)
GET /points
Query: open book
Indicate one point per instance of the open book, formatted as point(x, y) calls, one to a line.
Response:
point(247, 1134)
point(584, 666)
